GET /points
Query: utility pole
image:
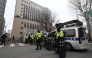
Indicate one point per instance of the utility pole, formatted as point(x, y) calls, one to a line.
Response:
point(88, 24)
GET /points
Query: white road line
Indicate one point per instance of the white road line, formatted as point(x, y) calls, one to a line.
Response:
point(12, 45)
point(21, 44)
point(1, 46)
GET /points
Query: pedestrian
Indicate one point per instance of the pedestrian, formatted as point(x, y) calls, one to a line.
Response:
point(13, 39)
point(29, 39)
point(3, 38)
point(26, 38)
point(61, 42)
point(38, 37)
point(45, 41)
point(32, 38)
point(49, 43)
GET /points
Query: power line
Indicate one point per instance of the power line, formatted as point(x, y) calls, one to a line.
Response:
point(9, 21)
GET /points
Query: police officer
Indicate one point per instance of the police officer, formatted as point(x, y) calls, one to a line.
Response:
point(26, 38)
point(38, 37)
point(32, 38)
point(61, 43)
point(56, 43)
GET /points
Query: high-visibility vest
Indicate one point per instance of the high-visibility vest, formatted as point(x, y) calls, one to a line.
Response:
point(32, 36)
point(59, 34)
point(27, 37)
point(38, 35)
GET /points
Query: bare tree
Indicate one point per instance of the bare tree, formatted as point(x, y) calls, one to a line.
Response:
point(83, 8)
point(47, 20)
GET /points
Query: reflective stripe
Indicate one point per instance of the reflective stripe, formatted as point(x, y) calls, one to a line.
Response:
point(32, 36)
point(61, 34)
point(26, 37)
point(74, 38)
point(38, 35)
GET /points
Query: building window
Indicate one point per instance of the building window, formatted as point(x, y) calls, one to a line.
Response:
point(33, 26)
point(3, 4)
point(21, 14)
point(27, 25)
point(23, 17)
point(27, 2)
point(21, 22)
point(30, 25)
point(21, 4)
point(21, 27)
point(24, 25)
point(22, 0)
point(21, 32)
point(21, 11)
point(21, 8)
point(1, 11)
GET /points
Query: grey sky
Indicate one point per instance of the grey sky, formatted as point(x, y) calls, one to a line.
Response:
point(60, 7)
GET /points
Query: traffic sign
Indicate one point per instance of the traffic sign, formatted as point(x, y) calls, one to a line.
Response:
point(91, 13)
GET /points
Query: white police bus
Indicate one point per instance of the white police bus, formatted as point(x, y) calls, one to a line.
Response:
point(75, 35)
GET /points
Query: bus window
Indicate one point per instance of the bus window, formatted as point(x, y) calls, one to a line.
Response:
point(80, 32)
point(70, 33)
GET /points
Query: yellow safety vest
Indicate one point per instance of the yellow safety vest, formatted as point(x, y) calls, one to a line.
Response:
point(27, 37)
point(32, 36)
point(38, 35)
point(59, 34)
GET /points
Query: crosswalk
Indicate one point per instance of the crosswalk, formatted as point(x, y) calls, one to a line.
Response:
point(12, 45)
point(1, 46)
point(21, 44)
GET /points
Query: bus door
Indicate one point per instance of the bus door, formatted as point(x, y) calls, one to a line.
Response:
point(81, 35)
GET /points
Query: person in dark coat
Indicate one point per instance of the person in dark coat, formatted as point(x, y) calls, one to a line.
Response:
point(13, 39)
point(45, 41)
point(61, 42)
point(55, 44)
point(49, 43)
point(3, 38)
point(29, 39)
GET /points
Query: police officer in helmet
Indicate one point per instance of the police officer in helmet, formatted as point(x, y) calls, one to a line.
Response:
point(61, 42)
point(38, 39)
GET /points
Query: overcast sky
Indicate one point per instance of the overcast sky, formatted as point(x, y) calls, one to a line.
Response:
point(60, 7)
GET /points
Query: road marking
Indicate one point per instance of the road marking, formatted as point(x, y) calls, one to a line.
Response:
point(12, 45)
point(1, 46)
point(21, 44)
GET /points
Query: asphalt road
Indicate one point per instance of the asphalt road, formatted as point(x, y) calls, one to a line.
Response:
point(17, 50)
